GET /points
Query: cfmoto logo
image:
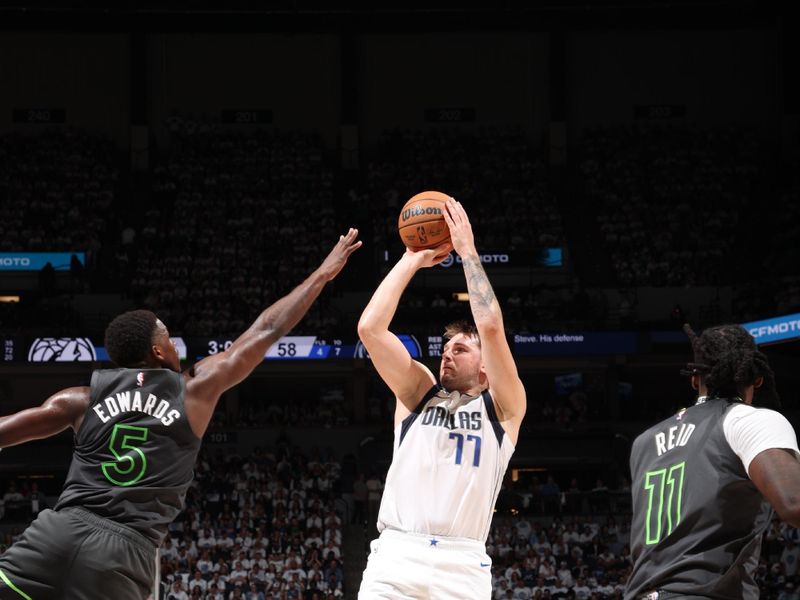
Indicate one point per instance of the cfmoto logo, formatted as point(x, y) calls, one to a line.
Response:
point(486, 259)
point(16, 261)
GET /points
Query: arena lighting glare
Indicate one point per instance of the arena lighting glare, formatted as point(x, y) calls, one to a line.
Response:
point(9, 298)
point(461, 296)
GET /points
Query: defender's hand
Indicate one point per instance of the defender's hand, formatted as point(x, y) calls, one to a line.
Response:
point(336, 260)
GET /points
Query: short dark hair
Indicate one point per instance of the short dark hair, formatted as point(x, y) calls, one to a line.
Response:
point(728, 360)
point(461, 326)
point(129, 337)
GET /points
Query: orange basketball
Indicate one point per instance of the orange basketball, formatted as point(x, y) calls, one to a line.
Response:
point(421, 222)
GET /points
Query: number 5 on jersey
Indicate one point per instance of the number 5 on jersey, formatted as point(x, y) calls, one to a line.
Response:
point(131, 462)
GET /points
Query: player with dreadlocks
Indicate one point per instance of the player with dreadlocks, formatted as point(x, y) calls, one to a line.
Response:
point(706, 480)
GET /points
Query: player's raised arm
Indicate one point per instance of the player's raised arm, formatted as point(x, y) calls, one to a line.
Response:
point(61, 410)
point(407, 378)
point(215, 374)
point(501, 370)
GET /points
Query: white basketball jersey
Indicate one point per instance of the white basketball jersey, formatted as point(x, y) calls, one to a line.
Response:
point(450, 456)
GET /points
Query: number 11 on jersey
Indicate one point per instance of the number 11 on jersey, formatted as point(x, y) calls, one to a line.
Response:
point(658, 483)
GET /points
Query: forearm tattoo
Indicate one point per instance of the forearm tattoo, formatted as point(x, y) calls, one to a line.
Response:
point(481, 294)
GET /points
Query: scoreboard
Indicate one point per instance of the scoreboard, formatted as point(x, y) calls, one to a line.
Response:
point(21, 349)
point(309, 347)
point(296, 347)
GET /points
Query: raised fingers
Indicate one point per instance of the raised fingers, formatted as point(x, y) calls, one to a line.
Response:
point(456, 212)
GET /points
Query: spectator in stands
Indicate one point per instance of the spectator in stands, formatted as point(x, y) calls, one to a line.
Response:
point(360, 496)
point(239, 574)
point(599, 498)
point(789, 592)
point(550, 493)
point(198, 581)
point(177, 592)
point(214, 592)
point(789, 558)
point(374, 487)
point(581, 590)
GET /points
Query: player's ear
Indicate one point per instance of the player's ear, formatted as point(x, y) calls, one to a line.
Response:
point(758, 382)
point(695, 382)
point(159, 355)
point(482, 377)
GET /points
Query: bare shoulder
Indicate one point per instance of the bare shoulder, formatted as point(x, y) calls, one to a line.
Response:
point(73, 397)
point(69, 405)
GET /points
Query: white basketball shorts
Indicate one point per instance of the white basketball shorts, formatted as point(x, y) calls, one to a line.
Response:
point(411, 565)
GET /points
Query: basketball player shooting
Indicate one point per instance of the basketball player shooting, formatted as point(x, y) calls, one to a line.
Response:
point(137, 434)
point(452, 439)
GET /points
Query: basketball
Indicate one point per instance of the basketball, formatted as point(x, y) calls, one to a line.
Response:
point(421, 222)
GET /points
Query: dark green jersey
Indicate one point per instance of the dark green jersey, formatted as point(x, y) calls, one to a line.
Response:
point(135, 450)
point(697, 517)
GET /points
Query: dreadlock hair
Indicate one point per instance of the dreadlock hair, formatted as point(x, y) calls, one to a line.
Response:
point(727, 360)
point(129, 337)
point(462, 326)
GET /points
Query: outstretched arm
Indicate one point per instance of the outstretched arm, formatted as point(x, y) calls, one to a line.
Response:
point(61, 410)
point(209, 378)
point(501, 370)
point(407, 378)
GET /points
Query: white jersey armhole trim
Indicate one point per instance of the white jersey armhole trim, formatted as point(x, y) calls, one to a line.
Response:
point(750, 431)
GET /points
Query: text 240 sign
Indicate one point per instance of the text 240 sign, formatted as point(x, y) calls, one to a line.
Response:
point(36, 116)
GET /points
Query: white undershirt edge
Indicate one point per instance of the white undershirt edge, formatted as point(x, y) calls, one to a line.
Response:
point(750, 431)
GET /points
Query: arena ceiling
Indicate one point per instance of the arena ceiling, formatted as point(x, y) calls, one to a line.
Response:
point(438, 15)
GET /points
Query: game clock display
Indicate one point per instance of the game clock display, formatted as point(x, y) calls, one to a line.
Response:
point(305, 347)
point(301, 347)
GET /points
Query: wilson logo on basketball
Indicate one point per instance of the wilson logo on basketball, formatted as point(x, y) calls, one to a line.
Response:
point(418, 211)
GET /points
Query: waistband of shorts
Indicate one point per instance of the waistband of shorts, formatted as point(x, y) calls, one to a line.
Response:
point(96, 520)
point(427, 540)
